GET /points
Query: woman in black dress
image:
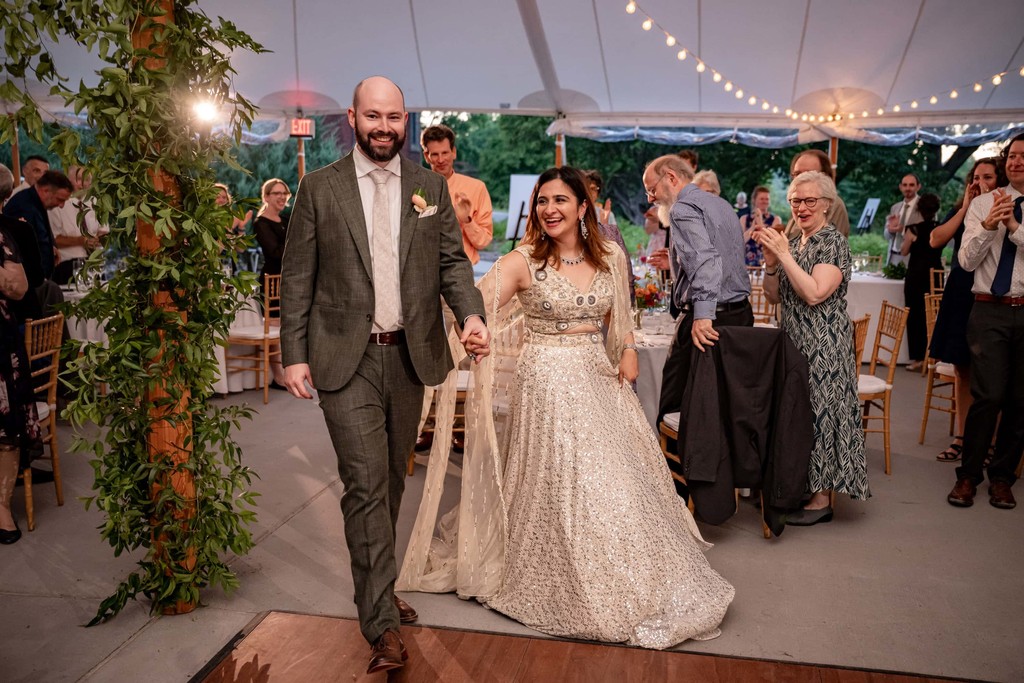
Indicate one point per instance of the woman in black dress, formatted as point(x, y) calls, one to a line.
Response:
point(949, 339)
point(922, 258)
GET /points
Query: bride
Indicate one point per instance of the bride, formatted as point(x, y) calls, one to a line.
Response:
point(568, 520)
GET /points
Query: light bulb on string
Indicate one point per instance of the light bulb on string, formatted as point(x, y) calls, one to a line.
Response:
point(864, 114)
point(647, 24)
point(997, 79)
point(728, 86)
point(804, 117)
point(953, 94)
point(852, 115)
point(700, 67)
point(880, 111)
point(631, 7)
point(977, 87)
point(1022, 71)
point(788, 111)
point(775, 110)
point(681, 55)
point(670, 40)
point(896, 108)
point(913, 105)
point(716, 77)
point(752, 101)
point(933, 99)
point(739, 94)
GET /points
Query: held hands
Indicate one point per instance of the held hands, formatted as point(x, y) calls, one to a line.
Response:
point(704, 333)
point(476, 338)
point(295, 379)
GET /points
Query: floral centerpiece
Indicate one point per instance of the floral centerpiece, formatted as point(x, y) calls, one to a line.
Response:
point(648, 295)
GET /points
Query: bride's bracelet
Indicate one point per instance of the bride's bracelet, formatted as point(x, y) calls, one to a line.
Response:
point(629, 346)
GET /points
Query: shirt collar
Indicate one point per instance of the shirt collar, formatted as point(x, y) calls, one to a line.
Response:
point(364, 165)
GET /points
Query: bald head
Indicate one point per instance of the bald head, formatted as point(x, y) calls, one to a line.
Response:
point(377, 86)
point(378, 117)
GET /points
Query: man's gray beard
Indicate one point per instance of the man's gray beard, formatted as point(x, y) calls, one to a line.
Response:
point(663, 213)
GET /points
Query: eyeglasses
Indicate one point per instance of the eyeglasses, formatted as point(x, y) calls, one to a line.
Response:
point(278, 193)
point(809, 202)
point(650, 192)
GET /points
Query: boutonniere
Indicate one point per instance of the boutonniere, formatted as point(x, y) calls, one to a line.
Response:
point(419, 204)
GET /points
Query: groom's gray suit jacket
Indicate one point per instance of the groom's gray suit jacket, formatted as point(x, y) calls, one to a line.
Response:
point(327, 298)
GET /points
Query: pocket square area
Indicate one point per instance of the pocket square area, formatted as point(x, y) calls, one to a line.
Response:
point(429, 211)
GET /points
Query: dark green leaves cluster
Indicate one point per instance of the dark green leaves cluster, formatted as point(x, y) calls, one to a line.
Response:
point(141, 114)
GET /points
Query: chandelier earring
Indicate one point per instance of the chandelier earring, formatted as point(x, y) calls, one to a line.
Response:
point(583, 228)
point(543, 234)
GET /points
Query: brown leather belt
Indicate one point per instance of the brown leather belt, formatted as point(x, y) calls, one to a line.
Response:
point(388, 338)
point(1005, 300)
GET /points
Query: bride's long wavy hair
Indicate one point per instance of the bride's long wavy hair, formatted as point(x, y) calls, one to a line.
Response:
point(595, 247)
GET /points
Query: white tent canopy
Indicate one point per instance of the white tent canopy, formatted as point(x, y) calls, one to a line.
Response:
point(591, 64)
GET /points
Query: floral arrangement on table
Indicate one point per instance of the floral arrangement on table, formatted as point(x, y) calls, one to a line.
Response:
point(648, 292)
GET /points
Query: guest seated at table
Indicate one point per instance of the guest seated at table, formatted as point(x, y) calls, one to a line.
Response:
point(760, 217)
point(19, 423)
point(76, 231)
point(949, 338)
point(917, 282)
point(270, 228)
point(809, 275)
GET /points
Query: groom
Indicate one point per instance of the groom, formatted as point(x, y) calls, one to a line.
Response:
point(362, 279)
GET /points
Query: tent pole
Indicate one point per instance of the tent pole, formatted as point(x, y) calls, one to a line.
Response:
point(302, 157)
point(833, 153)
point(15, 154)
point(560, 150)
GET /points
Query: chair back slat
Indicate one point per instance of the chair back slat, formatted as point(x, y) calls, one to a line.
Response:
point(938, 280)
point(43, 338)
point(892, 322)
point(271, 299)
point(860, 338)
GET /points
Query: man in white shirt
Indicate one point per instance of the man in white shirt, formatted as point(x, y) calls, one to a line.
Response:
point(902, 214)
point(67, 226)
point(993, 247)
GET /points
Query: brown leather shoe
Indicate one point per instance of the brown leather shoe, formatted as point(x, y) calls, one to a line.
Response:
point(963, 493)
point(388, 653)
point(1000, 496)
point(406, 614)
point(424, 441)
point(458, 444)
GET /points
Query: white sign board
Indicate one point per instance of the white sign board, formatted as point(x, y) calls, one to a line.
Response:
point(520, 190)
point(868, 214)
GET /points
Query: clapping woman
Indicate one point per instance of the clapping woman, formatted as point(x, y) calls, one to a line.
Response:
point(809, 275)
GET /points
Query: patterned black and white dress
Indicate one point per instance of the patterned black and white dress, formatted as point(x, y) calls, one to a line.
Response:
point(824, 334)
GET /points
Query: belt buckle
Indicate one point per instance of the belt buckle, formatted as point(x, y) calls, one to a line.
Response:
point(378, 337)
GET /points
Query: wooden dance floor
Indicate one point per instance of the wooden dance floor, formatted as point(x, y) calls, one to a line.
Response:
point(285, 647)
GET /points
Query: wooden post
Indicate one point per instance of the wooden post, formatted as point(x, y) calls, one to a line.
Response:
point(15, 153)
point(169, 435)
point(560, 158)
point(833, 153)
point(302, 157)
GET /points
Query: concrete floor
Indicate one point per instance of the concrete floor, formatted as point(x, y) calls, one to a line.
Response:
point(901, 582)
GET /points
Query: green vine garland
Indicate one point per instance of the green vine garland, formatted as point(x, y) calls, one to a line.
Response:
point(142, 117)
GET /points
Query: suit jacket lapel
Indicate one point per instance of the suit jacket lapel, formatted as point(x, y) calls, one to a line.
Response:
point(346, 191)
point(410, 183)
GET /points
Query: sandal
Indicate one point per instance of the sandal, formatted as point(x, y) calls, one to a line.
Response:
point(952, 453)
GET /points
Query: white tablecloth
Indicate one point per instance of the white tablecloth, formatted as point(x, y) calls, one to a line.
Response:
point(865, 295)
point(652, 348)
point(248, 315)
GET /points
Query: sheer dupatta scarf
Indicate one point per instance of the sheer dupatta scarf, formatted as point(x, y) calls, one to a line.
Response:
point(468, 554)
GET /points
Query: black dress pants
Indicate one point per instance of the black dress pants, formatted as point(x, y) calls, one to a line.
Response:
point(995, 335)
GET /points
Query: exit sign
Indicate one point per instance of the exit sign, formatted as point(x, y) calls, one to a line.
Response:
point(303, 128)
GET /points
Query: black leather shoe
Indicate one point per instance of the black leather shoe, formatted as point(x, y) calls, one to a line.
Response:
point(807, 517)
point(10, 537)
point(406, 614)
point(388, 653)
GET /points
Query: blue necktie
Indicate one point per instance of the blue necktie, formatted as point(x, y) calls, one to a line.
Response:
point(1004, 271)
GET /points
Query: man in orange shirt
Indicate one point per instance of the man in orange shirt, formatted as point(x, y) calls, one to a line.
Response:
point(469, 196)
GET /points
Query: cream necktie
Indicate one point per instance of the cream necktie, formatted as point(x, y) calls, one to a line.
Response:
point(905, 215)
point(386, 291)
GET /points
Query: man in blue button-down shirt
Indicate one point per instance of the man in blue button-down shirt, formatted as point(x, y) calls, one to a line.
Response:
point(706, 257)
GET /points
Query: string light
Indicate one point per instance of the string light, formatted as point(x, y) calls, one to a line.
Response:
point(997, 79)
point(670, 40)
point(880, 111)
point(631, 7)
point(700, 67)
point(716, 77)
point(752, 101)
point(648, 23)
point(728, 86)
point(739, 94)
point(933, 99)
point(953, 94)
point(681, 55)
point(977, 87)
point(913, 105)
point(864, 114)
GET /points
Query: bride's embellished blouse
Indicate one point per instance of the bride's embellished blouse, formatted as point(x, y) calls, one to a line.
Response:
point(553, 304)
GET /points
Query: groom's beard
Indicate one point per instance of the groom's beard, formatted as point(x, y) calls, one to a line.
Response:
point(377, 153)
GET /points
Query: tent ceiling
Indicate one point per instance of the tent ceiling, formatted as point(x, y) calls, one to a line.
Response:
point(592, 62)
